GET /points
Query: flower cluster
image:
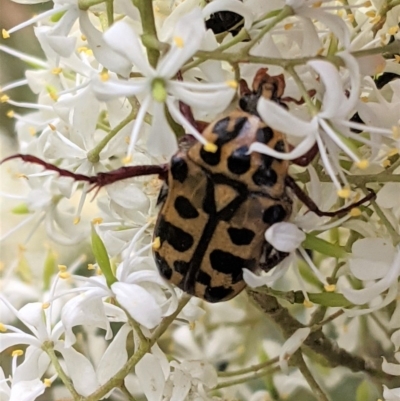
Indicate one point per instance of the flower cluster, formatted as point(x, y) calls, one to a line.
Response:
point(84, 310)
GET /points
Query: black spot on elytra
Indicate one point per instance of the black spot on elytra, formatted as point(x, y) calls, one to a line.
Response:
point(163, 266)
point(274, 214)
point(264, 135)
point(241, 236)
point(181, 267)
point(179, 169)
point(203, 278)
point(265, 176)
point(280, 146)
point(180, 240)
point(211, 158)
point(239, 161)
point(225, 262)
point(184, 208)
point(216, 294)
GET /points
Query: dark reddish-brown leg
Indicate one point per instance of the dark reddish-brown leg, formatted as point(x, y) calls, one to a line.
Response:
point(307, 158)
point(290, 182)
point(101, 179)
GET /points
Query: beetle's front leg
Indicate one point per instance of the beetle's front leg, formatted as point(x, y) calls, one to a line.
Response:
point(290, 182)
point(101, 179)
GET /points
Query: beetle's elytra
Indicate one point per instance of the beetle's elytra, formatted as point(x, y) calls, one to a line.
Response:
point(216, 206)
point(219, 204)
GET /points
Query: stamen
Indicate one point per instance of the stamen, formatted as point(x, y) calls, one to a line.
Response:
point(45, 305)
point(47, 382)
point(330, 287)
point(3, 328)
point(363, 164)
point(97, 220)
point(210, 147)
point(355, 212)
point(156, 244)
point(17, 352)
point(91, 266)
point(344, 193)
point(179, 42)
point(5, 34)
point(64, 275)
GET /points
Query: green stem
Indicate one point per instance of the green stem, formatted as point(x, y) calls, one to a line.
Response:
point(298, 360)
point(250, 369)
point(385, 221)
point(48, 348)
point(110, 12)
point(143, 349)
point(145, 8)
point(94, 154)
point(86, 4)
point(245, 379)
point(284, 13)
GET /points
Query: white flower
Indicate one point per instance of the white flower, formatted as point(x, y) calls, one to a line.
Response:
point(327, 126)
point(291, 345)
point(159, 86)
point(377, 263)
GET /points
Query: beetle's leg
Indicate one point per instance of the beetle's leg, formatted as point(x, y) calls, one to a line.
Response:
point(307, 158)
point(290, 182)
point(243, 88)
point(272, 257)
point(101, 179)
point(287, 99)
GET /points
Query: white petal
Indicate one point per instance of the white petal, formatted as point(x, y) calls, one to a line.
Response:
point(391, 394)
point(181, 386)
point(151, 377)
point(280, 119)
point(32, 315)
point(115, 356)
point(334, 95)
point(128, 195)
point(103, 53)
point(12, 339)
point(390, 368)
point(134, 52)
point(80, 370)
point(189, 33)
point(291, 345)
point(365, 295)
point(395, 339)
point(116, 88)
point(162, 140)
point(34, 365)
point(27, 390)
point(253, 280)
point(285, 237)
point(140, 305)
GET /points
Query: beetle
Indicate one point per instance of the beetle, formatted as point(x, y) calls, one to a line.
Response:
point(215, 206)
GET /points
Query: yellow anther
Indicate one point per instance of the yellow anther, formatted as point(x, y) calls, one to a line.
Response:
point(17, 352)
point(83, 37)
point(178, 42)
point(53, 95)
point(64, 275)
point(308, 304)
point(393, 152)
point(77, 220)
point(4, 99)
point(56, 70)
point(47, 382)
point(344, 193)
point(341, 13)
point(156, 243)
point(126, 159)
point(364, 99)
point(5, 34)
point(386, 163)
point(367, 4)
point(104, 76)
point(52, 127)
point(90, 266)
point(32, 131)
point(81, 49)
point(210, 147)
point(192, 326)
point(99, 272)
point(2, 328)
point(371, 14)
point(89, 52)
point(127, 139)
point(232, 84)
point(362, 164)
point(350, 17)
point(330, 287)
point(286, 27)
point(97, 220)
point(10, 113)
point(317, 4)
point(45, 305)
point(393, 30)
point(62, 268)
point(375, 21)
point(355, 212)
